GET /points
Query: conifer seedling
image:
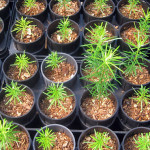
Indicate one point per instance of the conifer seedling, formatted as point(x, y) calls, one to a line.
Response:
point(30, 3)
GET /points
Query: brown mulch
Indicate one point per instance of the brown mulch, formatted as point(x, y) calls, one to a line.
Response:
point(31, 35)
point(37, 9)
point(133, 109)
point(92, 10)
point(2, 4)
point(72, 8)
point(13, 72)
point(18, 109)
point(63, 72)
point(58, 112)
point(98, 109)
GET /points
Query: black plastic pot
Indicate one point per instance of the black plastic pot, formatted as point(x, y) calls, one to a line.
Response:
point(55, 128)
point(69, 83)
point(87, 121)
point(24, 119)
point(66, 121)
point(87, 17)
point(91, 130)
point(122, 19)
point(132, 133)
point(11, 59)
point(32, 46)
point(65, 48)
point(42, 16)
point(55, 16)
point(4, 13)
point(2, 34)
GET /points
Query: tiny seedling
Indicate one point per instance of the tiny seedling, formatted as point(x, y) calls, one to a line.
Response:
point(143, 141)
point(29, 4)
point(13, 91)
point(7, 134)
point(46, 139)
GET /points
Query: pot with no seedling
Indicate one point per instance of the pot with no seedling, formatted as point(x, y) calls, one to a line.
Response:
point(54, 136)
point(14, 136)
point(98, 9)
point(32, 8)
point(57, 105)
point(63, 36)
point(21, 67)
point(98, 137)
point(65, 8)
point(17, 103)
point(29, 35)
point(59, 68)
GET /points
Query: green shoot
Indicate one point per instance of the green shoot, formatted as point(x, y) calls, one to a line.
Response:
point(13, 91)
point(53, 60)
point(46, 139)
point(29, 3)
point(143, 96)
point(100, 141)
point(143, 142)
point(7, 134)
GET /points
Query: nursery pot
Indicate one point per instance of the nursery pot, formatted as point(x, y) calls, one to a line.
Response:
point(55, 128)
point(122, 19)
point(32, 46)
point(87, 17)
point(4, 12)
point(63, 47)
point(11, 59)
point(88, 121)
point(75, 17)
point(2, 33)
point(66, 121)
point(102, 129)
point(41, 16)
point(69, 59)
point(26, 118)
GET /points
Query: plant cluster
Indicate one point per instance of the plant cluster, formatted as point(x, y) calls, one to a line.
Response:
point(29, 3)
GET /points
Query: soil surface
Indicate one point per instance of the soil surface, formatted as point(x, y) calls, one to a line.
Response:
point(142, 76)
point(93, 11)
point(98, 109)
point(56, 36)
point(133, 109)
point(36, 9)
point(18, 109)
point(57, 112)
point(2, 4)
point(63, 142)
point(70, 9)
point(63, 72)
point(31, 35)
point(13, 72)
point(136, 14)
point(85, 146)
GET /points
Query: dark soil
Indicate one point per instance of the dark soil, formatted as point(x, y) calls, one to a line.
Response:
point(2, 4)
point(98, 109)
point(63, 72)
point(37, 9)
point(133, 109)
point(31, 35)
point(70, 9)
point(18, 109)
point(13, 72)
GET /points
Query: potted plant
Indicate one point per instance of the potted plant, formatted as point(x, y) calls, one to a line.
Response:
point(59, 68)
point(54, 136)
point(98, 9)
point(14, 136)
point(32, 8)
point(28, 34)
point(63, 36)
point(17, 103)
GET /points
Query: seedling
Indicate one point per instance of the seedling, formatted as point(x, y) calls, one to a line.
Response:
point(30, 3)
point(46, 139)
point(13, 91)
point(7, 134)
point(143, 142)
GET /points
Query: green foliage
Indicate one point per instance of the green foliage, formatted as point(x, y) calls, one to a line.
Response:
point(143, 142)
point(63, 4)
point(29, 3)
point(53, 60)
point(7, 134)
point(13, 91)
point(46, 139)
